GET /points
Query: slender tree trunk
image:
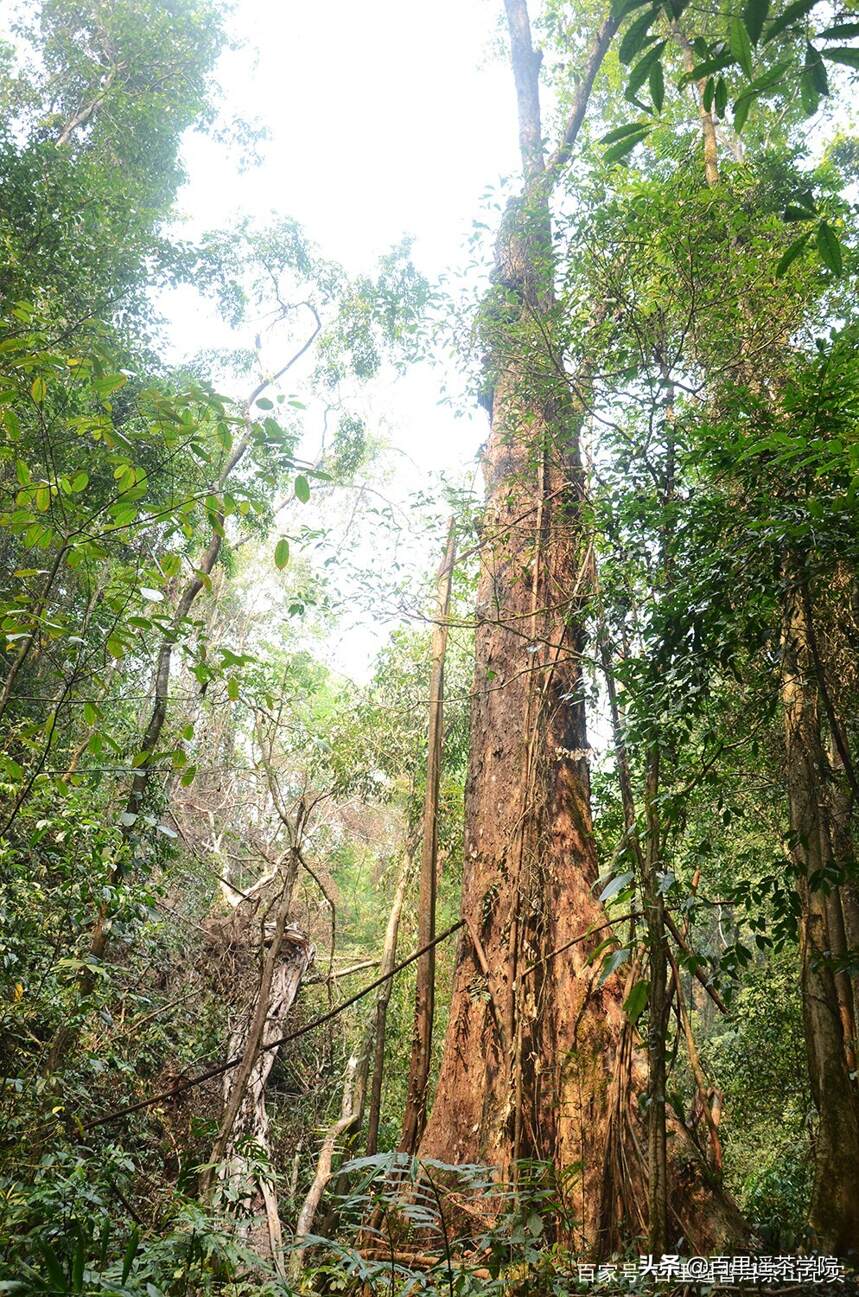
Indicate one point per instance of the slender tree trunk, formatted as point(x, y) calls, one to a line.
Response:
point(654, 912)
point(705, 1091)
point(389, 956)
point(835, 1198)
point(309, 1207)
point(151, 735)
point(708, 125)
point(421, 1057)
point(372, 1049)
point(845, 860)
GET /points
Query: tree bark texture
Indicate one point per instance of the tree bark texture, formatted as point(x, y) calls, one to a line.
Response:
point(251, 1193)
point(534, 1043)
point(539, 1061)
point(834, 1211)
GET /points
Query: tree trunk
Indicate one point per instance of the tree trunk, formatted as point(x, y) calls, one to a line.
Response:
point(848, 891)
point(307, 1215)
point(535, 1044)
point(835, 1197)
point(421, 1056)
point(389, 955)
point(659, 1004)
point(238, 1177)
point(256, 1032)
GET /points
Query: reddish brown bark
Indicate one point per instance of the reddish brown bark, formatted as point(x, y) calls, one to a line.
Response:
point(539, 1061)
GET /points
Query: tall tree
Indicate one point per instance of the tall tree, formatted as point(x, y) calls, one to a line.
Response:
point(537, 1041)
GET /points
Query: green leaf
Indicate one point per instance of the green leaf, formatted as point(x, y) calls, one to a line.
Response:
point(792, 14)
point(77, 1275)
point(641, 71)
point(302, 488)
point(56, 1274)
point(613, 963)
point(188, 776)
point(636, 1000)
point(799, 212)
point(843, 54)
point(626, 145)
point(791, 253)
point(90, 713)
point(829, 247)
point(109, 384)
point(620, 8)
point(656, 84)
point(720, 98)
point(130, 1253)
point(770, 78)
point(614, 886)
point(123, 514)
point(103, 1243)
point(841, 31)
point(816, 70)
point(716, 64)
point(742, 108)
point(740, 45)
point(621, 132)
point(281, 553)
point(233, 688)
point(22, 472)
point(808, 93)
point(39, 390)
point(754, 17)
point(636, 35)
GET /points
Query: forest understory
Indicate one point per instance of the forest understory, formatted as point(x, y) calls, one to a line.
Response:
point(524, 958)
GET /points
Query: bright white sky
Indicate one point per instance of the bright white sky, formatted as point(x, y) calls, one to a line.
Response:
point(386, 119)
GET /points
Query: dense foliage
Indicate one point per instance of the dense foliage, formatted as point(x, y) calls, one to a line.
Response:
point(186, 783)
